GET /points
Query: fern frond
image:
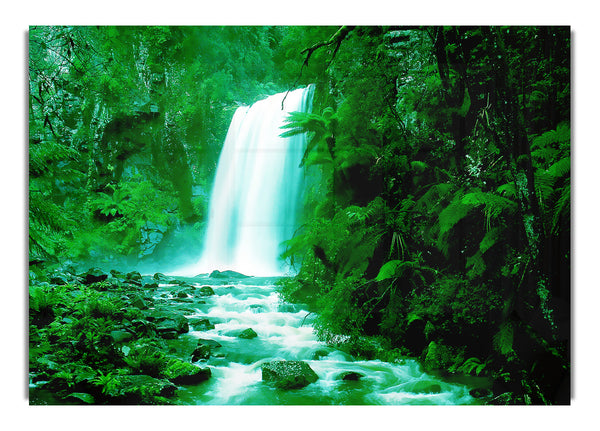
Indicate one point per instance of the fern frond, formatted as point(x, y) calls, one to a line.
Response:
point(46, 153)
point(544, 155)
point(434, 196)
point(544, 184)
point(452, 214)
point(494, 204)
point(507, 190)
point(560, 168)
point(503, 340)
point(562, 207)
point(544, 140)
point(477, 265)
point(490, 239)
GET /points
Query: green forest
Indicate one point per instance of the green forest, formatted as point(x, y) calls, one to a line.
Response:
point(436, 224)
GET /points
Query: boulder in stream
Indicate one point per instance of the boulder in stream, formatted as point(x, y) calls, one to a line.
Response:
point(200, 324)
point(350, 375)
point(205, 291)
point(184, 373)
point(288, 374)
point(168, 323)
point(205, 349)
point(247, 334)
point(227, 274)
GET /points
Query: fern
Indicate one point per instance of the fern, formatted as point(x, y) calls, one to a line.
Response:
point(494, 204)
point(472, 364)
point(560, 168)
point(507, 190)
point(321, 127)
point(43, 156)
point(503, 340)
point(562, 208)
point(433, 197)
point(448, 218)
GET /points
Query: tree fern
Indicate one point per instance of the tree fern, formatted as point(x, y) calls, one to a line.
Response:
point(321, 127)
point(494, 204)
point(433, 197)
point(448, 218)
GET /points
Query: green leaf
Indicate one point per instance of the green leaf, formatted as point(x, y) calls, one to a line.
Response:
point(503, 340)
point(86, 398)
point(388, 270)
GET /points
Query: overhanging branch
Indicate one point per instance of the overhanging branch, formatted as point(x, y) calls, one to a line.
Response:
point(336, 39)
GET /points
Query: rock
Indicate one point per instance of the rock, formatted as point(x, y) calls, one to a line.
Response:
point(182, 294)
point(138, 302)
point(168, 334)
point(153, 285)
point(134, 278)
point(247, 334)
point(116, 274)
point(200, 324)
point(59, 278)
point(205, 349)
point(184, 373)
point(207, 342)
point(437, 357)
point(151, 234)
point(93, 275)
point(320, 354)
point(350, 375)
point(288, 374)
point(159, 276)
point(205, 291)
point(120, 335)
point(166, 321)
point(227, 274)
point(133, 275)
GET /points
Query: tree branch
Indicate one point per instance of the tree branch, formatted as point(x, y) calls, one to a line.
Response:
point(336, 39)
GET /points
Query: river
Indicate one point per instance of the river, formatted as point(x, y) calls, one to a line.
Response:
point(284, 332)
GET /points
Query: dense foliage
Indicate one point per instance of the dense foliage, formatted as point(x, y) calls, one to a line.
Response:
point(443, 225)
point(437, 215)
point(126, 124)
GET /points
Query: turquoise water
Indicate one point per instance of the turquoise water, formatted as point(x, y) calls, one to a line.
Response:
point(285, 333)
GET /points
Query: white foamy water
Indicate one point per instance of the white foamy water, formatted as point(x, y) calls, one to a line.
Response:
point(236, 369)
point(257, 189)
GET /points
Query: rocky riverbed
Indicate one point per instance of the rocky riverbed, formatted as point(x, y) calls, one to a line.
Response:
point(219, 338)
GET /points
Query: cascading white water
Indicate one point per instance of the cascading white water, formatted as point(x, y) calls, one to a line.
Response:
point(255, 195)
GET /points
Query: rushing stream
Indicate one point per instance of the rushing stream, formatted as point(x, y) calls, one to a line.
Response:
point(253, 207)
point(284, 332)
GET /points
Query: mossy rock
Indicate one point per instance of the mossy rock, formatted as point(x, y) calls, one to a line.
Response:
point(184, 373)
point(205, 291)
point(247, 334)
point(288, 374)
point(438, 356)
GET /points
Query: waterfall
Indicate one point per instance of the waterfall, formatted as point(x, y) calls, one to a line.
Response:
point(257, 189)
